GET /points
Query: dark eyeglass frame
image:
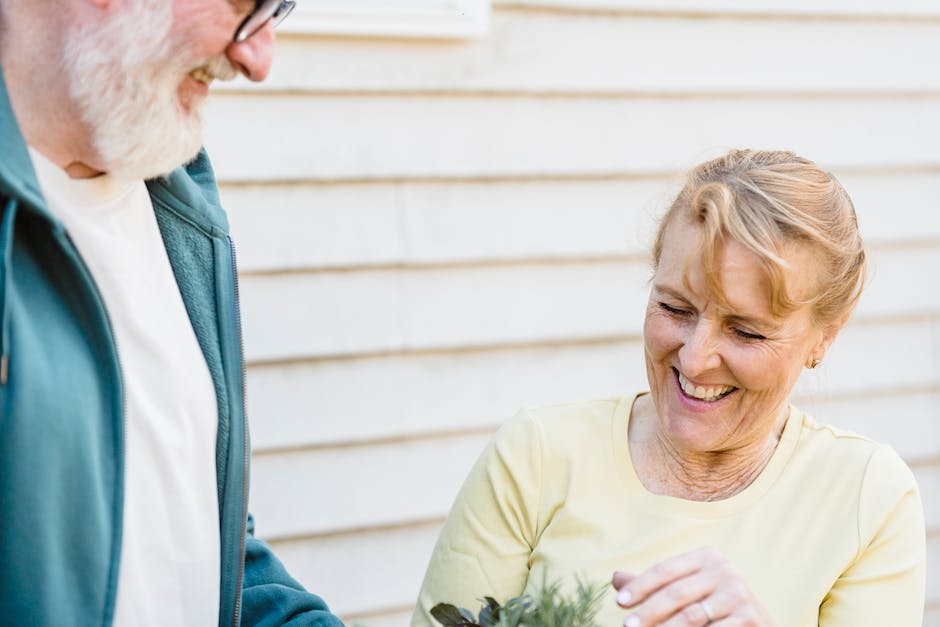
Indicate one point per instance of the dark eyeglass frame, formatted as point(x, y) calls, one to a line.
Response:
point(265, 10)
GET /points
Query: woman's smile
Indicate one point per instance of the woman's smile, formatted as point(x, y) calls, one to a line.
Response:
point(701, 392)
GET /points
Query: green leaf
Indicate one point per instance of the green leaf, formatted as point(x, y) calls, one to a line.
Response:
point(467, 614)
point(489, 615)
point(450, 616)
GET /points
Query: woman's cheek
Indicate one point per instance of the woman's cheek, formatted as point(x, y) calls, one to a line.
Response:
point(662, 335)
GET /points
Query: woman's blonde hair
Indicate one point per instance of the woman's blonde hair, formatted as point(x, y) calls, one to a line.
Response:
point(768, 201)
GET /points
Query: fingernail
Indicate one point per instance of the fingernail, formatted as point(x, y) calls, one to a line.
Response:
point(632, 621)
point(624, 597)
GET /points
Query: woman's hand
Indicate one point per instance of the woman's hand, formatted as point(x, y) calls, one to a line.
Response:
point(690, 590)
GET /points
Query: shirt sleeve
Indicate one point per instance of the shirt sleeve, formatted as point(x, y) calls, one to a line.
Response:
point(484, 547)
point(885, 585)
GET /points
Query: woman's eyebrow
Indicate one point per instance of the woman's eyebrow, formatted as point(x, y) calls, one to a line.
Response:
point(665, 289)
point(757, 321)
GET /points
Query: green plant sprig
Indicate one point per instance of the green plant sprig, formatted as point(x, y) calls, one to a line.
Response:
point(548, 607)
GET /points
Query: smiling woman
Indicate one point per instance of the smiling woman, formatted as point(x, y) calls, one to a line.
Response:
point(719, 375)
point(724, 503)
point(758, 265)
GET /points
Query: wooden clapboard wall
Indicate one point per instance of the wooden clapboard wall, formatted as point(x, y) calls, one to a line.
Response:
point(432, 233)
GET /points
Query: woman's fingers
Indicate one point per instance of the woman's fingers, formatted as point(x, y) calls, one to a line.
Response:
point(680, 604)
point(691, 590)
point(620, 579)
point(702, 612)
point(646, 583)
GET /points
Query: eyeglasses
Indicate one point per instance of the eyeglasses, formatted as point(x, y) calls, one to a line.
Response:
point(274, 10)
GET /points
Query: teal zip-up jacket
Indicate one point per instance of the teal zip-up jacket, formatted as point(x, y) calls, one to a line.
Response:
point(62, 408)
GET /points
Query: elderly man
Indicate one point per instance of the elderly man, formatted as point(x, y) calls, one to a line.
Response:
point(123, 442)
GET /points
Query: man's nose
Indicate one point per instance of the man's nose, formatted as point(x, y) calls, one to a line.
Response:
point(253, 57)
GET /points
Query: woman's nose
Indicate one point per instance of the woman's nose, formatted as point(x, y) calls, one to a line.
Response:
point(253, 57)
point(699, 353)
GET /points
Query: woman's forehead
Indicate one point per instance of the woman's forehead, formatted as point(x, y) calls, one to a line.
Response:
point(744, 280)
point(740, 273)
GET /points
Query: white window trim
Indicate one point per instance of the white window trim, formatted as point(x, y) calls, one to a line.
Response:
point(393, 18)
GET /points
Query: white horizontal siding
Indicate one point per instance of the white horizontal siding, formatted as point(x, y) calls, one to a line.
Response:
point(928, 480)
point(346, 137)
point(865, 358)
point(851, 9)
point(442, 222)
point(392, 310)
point(348, 225)
point(399, 618)
point(423, 18)
point(359, 487)
point(328, 402)
point(625, 54)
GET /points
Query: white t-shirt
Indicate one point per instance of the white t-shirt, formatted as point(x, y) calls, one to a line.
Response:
point(169, 573)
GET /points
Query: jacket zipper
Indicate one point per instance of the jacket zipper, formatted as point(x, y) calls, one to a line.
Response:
point(245, 468)
point(7, 225)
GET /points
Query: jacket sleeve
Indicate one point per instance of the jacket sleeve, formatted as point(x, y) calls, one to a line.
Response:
point(270, 596)
point(885, 585)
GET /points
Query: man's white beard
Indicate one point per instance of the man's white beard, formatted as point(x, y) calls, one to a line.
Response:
point(124, 79)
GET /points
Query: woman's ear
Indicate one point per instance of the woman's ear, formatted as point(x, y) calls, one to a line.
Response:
point(829, 334)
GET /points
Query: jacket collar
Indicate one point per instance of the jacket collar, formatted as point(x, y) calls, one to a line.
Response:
point(191, 192)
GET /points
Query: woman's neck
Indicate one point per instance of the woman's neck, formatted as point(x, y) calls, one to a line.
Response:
point(663, 468)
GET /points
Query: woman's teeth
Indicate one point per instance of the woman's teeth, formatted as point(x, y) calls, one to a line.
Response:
point(710, 393)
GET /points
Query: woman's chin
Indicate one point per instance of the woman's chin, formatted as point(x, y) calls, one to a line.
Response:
point(691, 438)
point(694, 431)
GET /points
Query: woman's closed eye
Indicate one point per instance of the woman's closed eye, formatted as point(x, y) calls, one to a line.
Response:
point(674, 311)
point(679, 312)
point(750, 337)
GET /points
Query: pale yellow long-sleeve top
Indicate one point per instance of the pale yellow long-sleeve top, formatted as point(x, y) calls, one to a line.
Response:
point(831, 533)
